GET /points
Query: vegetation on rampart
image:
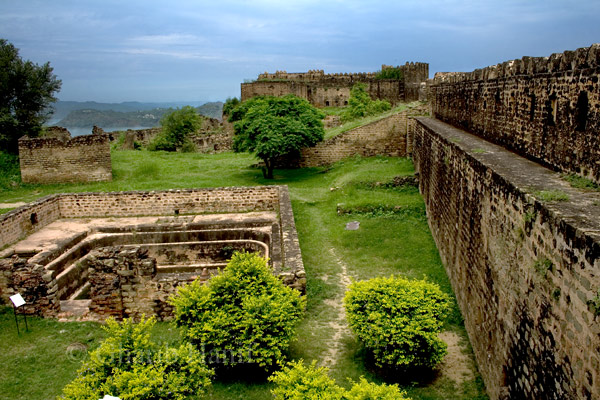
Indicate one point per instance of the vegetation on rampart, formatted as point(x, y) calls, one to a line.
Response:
point(390, 73)
point(361, 105)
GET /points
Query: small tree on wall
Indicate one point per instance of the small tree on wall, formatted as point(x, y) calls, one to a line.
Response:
point(176, 128)
point(361, 105)
point(275, 127)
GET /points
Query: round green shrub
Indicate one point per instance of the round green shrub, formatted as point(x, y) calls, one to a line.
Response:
point(299, 382)
point(398, 320)
point(245, 315)
point(364, 390)
point(128, 365)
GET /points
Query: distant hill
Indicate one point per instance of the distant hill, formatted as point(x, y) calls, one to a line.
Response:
point(131, 114)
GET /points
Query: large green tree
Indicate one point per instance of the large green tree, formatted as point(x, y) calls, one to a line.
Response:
point(276, 127)
point(26, 92)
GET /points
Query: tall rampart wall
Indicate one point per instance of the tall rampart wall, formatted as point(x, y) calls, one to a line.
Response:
point(80, 159)
point(546, 109)
point(525, 271)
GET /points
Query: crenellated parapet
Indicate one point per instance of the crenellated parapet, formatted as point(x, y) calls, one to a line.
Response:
point(333, 89)
point(544, 108)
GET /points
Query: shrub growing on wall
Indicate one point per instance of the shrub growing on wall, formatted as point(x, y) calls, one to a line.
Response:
point(398, 320)
point(129, 366)
point(176, 128)
point(299, 382)
point(245, 315)
point(361, 105)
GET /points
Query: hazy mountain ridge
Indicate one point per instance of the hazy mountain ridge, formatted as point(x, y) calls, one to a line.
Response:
point(109, 115)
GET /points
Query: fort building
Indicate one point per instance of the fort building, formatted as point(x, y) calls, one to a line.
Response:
point(324, 90)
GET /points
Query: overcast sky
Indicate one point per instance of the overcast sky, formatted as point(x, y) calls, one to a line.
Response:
point(178, 50)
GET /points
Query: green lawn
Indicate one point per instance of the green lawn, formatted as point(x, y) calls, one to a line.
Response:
point(36, 365)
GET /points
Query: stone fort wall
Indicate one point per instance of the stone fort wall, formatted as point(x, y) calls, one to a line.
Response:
point(384, 137)
point(323, 90)
point(524, 270)
point(80, 159)
point(545, 108)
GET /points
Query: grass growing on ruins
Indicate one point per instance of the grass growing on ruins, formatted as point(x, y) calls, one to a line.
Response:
point(580, 182)
point(551, 195)
point(393, 238)
point(329, 133)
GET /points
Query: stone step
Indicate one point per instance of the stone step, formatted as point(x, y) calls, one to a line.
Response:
point(74, 309)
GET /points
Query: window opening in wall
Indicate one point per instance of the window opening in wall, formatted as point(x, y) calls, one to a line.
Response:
point(532, 108)
point(581, 115)
point(551, 110)
point(327, 103)
point(33, 218)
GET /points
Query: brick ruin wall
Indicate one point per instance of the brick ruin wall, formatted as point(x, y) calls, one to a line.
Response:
point(80, 159)
point(214, 139)
point(39, 286)
point(324, 90)
point(545, 109)
point(384, 137)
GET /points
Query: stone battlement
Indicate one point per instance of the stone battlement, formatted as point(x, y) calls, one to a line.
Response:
point(545, 109)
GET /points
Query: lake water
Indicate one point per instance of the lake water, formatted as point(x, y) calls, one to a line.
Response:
point(88, 131)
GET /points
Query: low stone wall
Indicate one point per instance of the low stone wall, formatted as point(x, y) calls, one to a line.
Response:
point(213, 142)
point(170, 202)
point(80, 159)
point(27, 219)
point(384, 137)
point(46, 277)
point(524, 271)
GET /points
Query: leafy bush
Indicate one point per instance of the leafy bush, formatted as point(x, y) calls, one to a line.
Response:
point(245, 315)
point(10, 173)
point(364, 390)
point(298, 382)
point(398, 320)
point(177, 126)
point(390, 73)
point(128, 365)
point(230, 104)
point(361, 105)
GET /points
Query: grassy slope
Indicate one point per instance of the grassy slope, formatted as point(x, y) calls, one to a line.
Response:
point(329, 133)
point(383, 245)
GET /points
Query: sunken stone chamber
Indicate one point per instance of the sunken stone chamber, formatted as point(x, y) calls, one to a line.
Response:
point(124, 254)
